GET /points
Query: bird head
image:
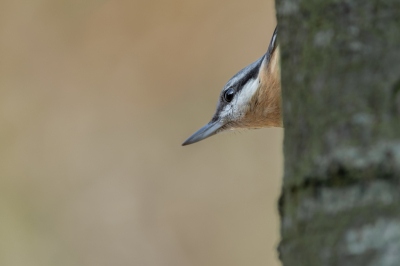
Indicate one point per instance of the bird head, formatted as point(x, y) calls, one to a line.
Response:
point(250, 99)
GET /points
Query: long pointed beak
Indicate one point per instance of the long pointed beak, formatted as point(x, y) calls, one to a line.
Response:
point(207, 131)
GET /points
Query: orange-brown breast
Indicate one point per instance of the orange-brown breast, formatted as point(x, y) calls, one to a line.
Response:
point(265, 105)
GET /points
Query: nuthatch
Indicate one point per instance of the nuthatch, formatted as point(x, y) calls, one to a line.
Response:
point(250, 99)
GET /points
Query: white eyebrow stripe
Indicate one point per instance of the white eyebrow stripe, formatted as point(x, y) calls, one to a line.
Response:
point(249, 72)
point(247, 93)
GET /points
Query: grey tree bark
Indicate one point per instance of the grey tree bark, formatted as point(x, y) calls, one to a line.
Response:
point(340, 66)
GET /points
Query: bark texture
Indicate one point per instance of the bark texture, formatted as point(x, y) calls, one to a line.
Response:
point(340, 66)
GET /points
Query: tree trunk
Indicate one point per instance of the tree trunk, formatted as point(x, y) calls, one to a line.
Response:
point(340, 65)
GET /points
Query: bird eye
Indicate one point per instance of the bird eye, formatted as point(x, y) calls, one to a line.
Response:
point(228, 96)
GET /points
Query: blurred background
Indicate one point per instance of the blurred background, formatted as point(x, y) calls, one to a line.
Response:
point(96, 98)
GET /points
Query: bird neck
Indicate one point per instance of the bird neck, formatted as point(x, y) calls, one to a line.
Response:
point(265, 106)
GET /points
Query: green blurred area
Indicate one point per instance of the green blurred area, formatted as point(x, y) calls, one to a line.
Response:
point(96, 98)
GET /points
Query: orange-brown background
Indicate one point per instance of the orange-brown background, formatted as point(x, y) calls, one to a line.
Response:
point(96, 98)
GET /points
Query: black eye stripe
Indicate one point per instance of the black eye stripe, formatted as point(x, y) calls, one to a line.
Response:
point(247, 74)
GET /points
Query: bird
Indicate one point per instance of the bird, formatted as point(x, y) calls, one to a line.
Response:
point(251, 99)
